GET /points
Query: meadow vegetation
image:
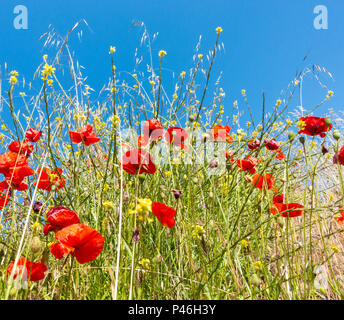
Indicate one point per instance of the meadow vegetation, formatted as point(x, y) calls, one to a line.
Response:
point(144, 192)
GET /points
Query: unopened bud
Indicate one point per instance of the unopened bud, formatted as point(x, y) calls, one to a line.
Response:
point(336, 134)
point(291, 135)
point(36, 245)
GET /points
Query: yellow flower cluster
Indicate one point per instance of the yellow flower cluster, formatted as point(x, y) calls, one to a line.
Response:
point(47, 71)
point(145, 264)
point(197, 231)
point(143, 209)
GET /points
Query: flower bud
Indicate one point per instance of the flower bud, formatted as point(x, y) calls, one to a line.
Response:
point(36, 245)
point(336, 134)
point(255, 280)
point(328, 122)
point(191, 118)
point(291, 135)
point(302, 140)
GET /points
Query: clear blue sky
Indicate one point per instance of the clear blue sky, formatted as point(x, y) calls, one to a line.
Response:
point(265, 40)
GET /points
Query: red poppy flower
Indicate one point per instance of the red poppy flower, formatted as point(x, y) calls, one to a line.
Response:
point(315, 126)
point(58, 250)
point(279, 198)
point(339, 157)
point(287, 210)
point(253, 144)
point(280, 154)
point(176, 136)
point(85, 134)
point(271, 144)
point(24, 147)
point(138, 161)
point(59, 218)
point(263, 181)
point(49, 178)
point(221, 133)
point(340, 219)
point(10, 160)
point(83, 241)
point(5, 196)
point(152, 130)
point(15, 168)
point(248, 164)
point(16, 185)
point(25, 268)
point(32, 135)
point(164, 213)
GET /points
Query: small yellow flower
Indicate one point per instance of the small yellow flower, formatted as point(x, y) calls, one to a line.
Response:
point(244, 243)
point(14, 73)
point(182, 74)
point(200, 56)
point(218, 30)
point(243, 92)
point(334, 248)
point(145, 264)
point(168, 174)
point(112, 50)
point(278, 102)
point(13, 80)
point(36, 227)
point(258, 265)
point(47, 71)
point(330, 93)
point(162, 53)
point(108, 204)
point(301, 124)
point(296, 82)
point(197, 231)
point(22, 94)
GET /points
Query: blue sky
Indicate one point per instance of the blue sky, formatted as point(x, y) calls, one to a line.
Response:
point(265, 41)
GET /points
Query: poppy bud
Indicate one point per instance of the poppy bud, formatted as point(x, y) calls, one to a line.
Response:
point(205, 137)
point(177, 193)
point(191, 118)
point(280, 222)
point(136, 235)
point(37, 206)
point(211, 195)
point(328, 121)
point(255, 280)
point(335, 158)
point(36, 245)
point(141, 177)
point(13, 292)
point(336, 134)
point(45, 255)
point(302, 140)
point(324, 150)
point(126, 196)
point(323, 290)
point(291, 135)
